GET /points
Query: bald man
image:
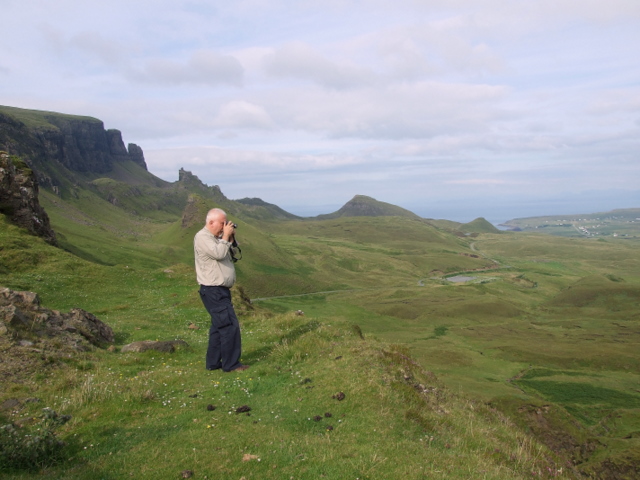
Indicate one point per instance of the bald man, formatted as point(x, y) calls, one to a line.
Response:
point(216, 274)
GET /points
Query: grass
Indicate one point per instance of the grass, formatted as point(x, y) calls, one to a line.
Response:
point(128, 410)
point(38, 118)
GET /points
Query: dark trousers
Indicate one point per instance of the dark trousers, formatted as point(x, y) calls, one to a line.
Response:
point(224, 335)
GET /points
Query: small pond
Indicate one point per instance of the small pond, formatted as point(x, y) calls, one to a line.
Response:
point(460, 279)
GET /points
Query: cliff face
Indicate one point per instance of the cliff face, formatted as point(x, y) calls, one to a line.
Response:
point(81, 144)
point(19, 198)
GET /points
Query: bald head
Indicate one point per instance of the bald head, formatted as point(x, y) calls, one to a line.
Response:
point(216, 218)
point(215, 213)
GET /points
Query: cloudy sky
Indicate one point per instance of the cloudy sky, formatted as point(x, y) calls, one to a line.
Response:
point(449, 108)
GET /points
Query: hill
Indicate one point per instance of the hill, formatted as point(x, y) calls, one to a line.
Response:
point(363, 206)
point(479, 225)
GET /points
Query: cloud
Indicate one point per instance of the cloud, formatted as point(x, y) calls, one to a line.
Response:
point(298, 60)
point(204, 67)
point(416, 110)
point(241, 114)
point(315, 101)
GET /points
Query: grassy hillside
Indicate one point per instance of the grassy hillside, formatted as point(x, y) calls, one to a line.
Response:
point(325, 402)
point(556, 326)
point(38, 118)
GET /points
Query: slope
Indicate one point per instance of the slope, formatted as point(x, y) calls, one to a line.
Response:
point(319, 401)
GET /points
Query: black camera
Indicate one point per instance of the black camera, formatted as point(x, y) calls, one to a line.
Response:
point(234, 225)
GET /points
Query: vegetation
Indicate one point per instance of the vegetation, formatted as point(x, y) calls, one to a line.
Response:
point(34, 448)
point(622, 223)
point(366, 361)
point(38, 118)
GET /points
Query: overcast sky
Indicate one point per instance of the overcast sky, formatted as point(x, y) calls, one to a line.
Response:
point(449, 108)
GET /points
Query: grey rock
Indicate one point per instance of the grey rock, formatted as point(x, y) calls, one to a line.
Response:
point(167, 346)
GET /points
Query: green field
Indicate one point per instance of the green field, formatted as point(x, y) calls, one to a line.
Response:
point(530, 368)
point(624, 223)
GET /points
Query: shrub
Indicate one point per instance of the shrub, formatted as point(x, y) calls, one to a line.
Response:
point(32, 448)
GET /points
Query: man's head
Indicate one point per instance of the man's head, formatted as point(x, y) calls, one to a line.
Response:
point(216, 218)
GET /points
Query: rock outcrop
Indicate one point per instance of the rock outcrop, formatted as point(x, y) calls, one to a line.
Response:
point(19, 198)
point(34, 339)
point(23, 320)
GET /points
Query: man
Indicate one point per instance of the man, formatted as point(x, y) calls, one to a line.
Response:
point(216, 274)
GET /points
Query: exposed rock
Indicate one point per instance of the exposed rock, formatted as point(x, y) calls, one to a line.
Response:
point(116, 145)
point(168, 346)
point(34, 339)
point(19, 198)
point(78, 328)
point(136, 155)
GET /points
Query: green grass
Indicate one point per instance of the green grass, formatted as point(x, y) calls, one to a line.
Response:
point(38, 118)
point(129, 410)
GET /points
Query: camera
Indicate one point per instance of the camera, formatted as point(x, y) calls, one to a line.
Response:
point(234, 225)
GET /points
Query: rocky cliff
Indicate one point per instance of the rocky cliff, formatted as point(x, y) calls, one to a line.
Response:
point(47, 140)
point(19, 198)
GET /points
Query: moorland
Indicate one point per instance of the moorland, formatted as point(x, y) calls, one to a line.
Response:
point(368, 361)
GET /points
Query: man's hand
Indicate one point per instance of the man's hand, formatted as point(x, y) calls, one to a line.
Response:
point(228, 231)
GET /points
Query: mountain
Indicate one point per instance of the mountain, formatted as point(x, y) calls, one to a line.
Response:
point(479, 225)
point(363, 206)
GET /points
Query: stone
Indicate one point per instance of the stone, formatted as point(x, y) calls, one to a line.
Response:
point(168, 346)
point(13, 316)
point(89, 326)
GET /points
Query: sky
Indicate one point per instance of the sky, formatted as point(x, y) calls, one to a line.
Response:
point(452, 109)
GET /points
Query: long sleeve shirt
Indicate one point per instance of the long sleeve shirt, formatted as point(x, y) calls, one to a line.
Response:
point(214, 266)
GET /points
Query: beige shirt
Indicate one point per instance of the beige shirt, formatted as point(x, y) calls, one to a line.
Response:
point(214, 266)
